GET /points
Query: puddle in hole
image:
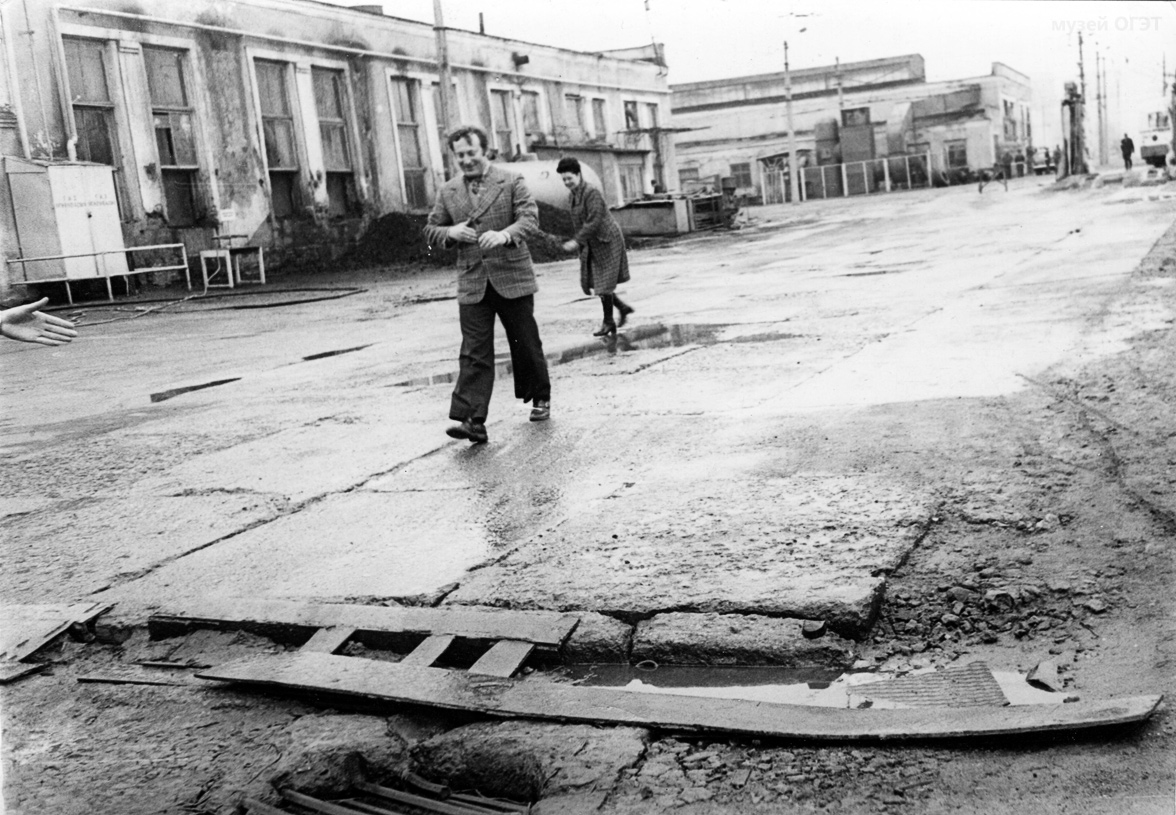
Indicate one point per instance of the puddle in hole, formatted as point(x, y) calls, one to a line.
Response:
point(641, 338)
point(819, 687)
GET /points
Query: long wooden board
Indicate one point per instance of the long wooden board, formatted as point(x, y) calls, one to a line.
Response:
point(543, 628)
point(511, 698)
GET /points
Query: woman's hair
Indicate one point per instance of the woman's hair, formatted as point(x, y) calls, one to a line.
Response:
point(568, 165)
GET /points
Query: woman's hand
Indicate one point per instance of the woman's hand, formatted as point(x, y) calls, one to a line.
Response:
point(569, 246)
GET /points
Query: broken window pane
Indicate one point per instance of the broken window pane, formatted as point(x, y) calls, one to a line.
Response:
point(94, 134)
point(631, 120)
point(334, 140)
point(279, 143)
point(271, 88)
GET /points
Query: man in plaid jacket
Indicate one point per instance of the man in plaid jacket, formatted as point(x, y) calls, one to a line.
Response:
point(487, 213)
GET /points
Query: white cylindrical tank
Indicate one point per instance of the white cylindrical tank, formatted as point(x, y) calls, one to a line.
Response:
point(544, 182)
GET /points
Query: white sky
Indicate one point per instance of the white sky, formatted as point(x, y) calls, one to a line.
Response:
point(712, 39)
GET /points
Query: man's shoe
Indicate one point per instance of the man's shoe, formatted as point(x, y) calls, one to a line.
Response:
point(541, 410)
point(604, 330)
point(625, 312)
point(475, 432)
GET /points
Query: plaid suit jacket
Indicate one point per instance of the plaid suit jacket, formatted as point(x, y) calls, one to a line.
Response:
point(504, 204)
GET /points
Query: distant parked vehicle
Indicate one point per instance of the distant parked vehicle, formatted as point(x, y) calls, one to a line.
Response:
point(1156, 137)
point(1043, 163)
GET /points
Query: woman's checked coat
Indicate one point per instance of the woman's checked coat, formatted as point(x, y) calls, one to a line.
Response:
point(603, 261)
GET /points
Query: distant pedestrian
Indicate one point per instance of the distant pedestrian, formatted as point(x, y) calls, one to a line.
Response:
point(603, 260)
point(27, 324)
point(1128, 148)
point(488, 213)
point(1000, 172)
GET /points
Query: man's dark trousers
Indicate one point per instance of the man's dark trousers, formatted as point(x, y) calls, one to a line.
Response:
point(475, 378)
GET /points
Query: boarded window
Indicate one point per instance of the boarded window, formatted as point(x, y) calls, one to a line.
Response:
point(531, 120)
point(277, 122)
point(632, 180)
point(93, 109)
point(598, 121)
point(175, 141)
point(574, 116)
point(406, 113)
point(330, 107)
point(502, 116)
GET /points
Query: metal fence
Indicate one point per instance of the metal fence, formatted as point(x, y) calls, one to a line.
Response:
point(906, 172)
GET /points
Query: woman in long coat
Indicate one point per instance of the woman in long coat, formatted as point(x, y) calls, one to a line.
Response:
point(603, 261)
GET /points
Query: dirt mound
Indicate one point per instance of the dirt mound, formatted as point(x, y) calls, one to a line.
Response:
point(397, 238)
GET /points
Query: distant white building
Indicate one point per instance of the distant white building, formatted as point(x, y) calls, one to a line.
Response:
point(853, 112)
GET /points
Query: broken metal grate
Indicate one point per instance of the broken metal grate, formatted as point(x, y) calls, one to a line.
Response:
point(971, 685)
point(366, 798)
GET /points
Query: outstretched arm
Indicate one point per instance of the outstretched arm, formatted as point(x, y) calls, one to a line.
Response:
point(26, 324)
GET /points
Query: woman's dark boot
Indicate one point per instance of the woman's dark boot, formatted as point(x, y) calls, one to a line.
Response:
point(608, 326)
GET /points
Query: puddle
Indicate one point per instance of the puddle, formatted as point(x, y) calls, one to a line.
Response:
point(819, 687)
point(165, 395)
point(641, 338)
point(325, 354)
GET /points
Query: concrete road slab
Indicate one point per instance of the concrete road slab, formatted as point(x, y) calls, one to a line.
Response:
point(356, 545)
point(805, 547)
point(86, 546)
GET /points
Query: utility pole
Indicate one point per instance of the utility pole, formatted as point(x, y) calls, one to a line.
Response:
point(1078, 145)
point(793, 168)
point(446, 87)
point(1102, 136)
point(840, 92)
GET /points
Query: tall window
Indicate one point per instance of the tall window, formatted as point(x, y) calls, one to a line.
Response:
point(652, 111)
point(632, 122)
point(502, 117)
point(406, 110)
point(532, 123)
point(741, 174)
point(93, 109)
point(329, 105)
point(600, 129)
point(175, 144)
point(574, 115)
point(632, 179)
point(277, 121)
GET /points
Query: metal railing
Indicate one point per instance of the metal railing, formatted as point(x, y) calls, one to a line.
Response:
point(905, 172)
point(66, 279)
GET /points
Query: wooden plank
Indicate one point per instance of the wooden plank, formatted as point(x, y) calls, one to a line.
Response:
point(26, 629)
point(429, 651)
point(329, 640)
point(547, 629)
point(503, 658)
point(509, 698)
point(12, 671)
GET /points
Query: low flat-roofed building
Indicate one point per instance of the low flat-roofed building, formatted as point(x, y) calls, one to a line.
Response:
point(738, 128)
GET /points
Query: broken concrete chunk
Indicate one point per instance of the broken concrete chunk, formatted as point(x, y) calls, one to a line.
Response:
point(1095, 605)
point(527, 760)
point(598, 638)
point(725, 639)
point(1047, 676)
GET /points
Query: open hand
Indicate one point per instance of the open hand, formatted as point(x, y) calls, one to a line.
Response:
point(26, 324)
